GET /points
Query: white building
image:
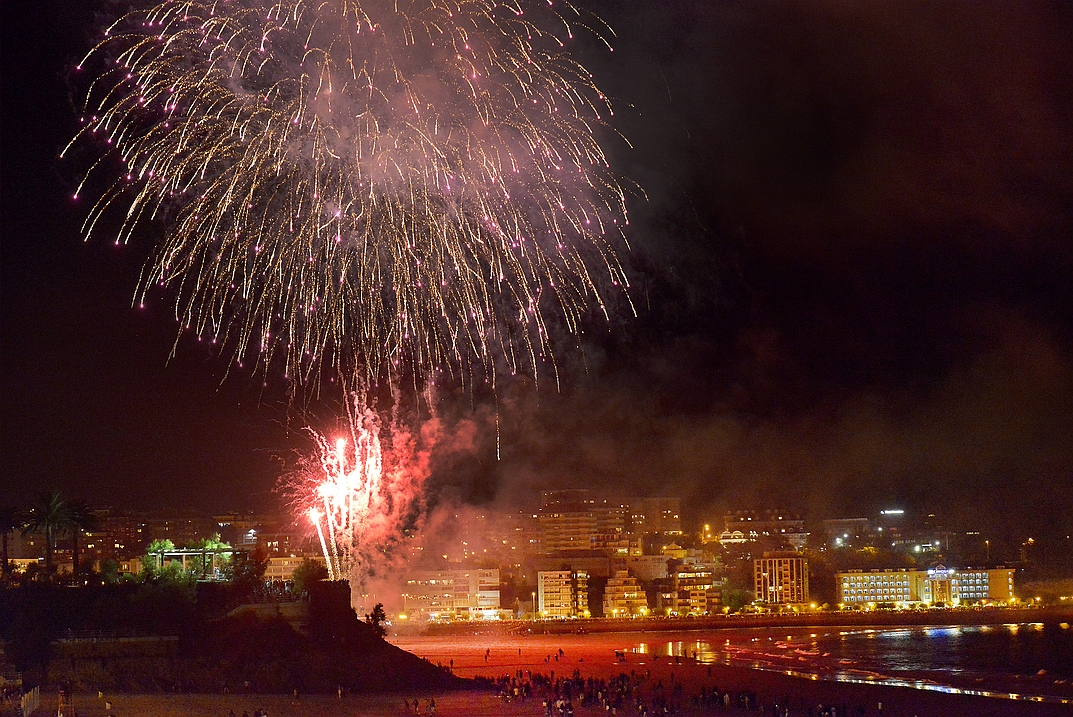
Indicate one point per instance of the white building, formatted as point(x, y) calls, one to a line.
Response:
point(282, 568)
point(463, 594)
point(858, 588)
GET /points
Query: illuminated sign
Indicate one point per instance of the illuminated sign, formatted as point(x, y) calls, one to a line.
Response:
point(941, 573)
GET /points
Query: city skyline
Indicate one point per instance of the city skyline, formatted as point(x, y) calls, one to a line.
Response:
point(638, 562)
point(596, 533)
point(852, 276)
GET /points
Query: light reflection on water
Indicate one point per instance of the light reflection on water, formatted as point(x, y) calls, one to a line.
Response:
point(1036, 661)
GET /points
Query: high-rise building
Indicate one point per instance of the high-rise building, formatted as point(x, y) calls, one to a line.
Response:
point(118, 535)
point(183, 528)
point(939, 584)
point(781, 579)
point(578, 520)
point(563, 593)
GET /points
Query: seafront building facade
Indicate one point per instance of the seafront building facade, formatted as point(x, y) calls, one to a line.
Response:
point(693, 590)
point(937, 585)
point(563, 593)
point(452, 594)
point(781, 579)
point(623, 596)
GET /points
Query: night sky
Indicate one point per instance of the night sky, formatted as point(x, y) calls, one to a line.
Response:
point(853, 272)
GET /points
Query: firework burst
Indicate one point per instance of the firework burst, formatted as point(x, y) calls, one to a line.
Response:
point(360, 497)
point(367, 186)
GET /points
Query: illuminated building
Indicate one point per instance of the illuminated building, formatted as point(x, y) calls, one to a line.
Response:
point(282, 568)
point(577, 520)
point(940, 584)
point(781, 579)
point(563, 593)
point(693, 590)
point(746, 526)
point(623, 596)
point(452, 594)
point(117, 536)
point(181, 527)
point(674, 551)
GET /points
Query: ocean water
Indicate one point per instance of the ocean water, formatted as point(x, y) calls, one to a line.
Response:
point(1014, 661)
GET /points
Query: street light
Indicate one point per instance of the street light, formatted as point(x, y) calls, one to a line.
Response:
point(534, 605)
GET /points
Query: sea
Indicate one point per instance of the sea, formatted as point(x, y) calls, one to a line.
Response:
point(1026, 661)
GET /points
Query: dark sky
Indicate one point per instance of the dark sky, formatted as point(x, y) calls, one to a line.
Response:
point(854, 273)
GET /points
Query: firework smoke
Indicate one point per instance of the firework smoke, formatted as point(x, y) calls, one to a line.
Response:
point(367, 186)
point(361, 497)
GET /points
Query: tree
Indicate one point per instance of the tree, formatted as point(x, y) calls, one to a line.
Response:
point(51, 517)
point(80, 518)
point(210, 547)
point(247, 571)
point(153, 562)
point(376, 620)
point(309, 572)
point(109, 571)
point(11, 520)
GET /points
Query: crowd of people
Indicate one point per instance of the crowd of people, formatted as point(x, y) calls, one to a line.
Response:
point(625, 693)
point(643, 694)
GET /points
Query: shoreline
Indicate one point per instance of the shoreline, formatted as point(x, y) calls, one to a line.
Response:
point(877, 618)
point(594, 656)
point(649, 657)
point(760, 649)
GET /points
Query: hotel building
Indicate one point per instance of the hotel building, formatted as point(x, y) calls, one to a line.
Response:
point(934, 585)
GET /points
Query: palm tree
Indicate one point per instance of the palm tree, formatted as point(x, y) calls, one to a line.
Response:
point(50, 517)
point(81, 519)
point(11, 520)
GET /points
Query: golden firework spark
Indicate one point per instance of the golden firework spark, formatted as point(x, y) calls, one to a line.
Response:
point(368, 186)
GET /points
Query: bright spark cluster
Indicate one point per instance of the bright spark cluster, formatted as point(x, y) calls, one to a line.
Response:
point(362, 498)
point(362, 185)
point(345, 500)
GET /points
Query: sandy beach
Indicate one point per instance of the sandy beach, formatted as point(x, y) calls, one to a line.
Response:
point(588, 656)
point(594, 655)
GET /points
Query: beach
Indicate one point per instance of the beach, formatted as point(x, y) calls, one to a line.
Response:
point(593, 655)
point(589, 656)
